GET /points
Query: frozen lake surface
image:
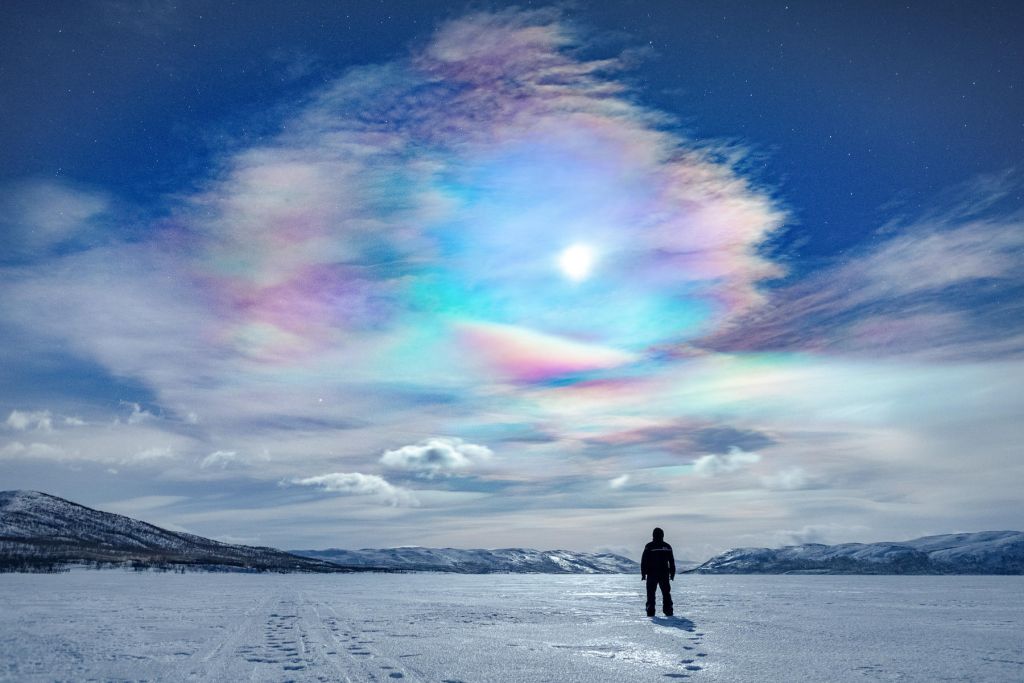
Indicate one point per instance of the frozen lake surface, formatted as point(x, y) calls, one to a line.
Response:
point(114, 625)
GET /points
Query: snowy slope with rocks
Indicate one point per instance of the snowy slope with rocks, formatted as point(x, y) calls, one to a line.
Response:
point(479, 561)
point(985, 552)
point(40, 531)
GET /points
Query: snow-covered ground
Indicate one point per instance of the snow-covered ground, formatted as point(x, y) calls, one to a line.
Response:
point(115, 625)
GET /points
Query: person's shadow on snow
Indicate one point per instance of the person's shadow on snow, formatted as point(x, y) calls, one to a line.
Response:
point(675, 622)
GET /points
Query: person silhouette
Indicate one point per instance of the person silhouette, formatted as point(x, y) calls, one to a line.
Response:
point(657, 568)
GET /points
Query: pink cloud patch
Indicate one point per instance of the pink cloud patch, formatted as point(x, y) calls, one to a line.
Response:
point(522, 355)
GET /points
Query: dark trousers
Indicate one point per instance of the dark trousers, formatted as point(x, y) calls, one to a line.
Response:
point(666, 594)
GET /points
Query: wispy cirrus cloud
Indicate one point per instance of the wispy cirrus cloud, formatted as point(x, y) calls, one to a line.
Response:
point(223, 459)
point(941, 287)
point(37, 450)
point(39, 215)
point(359, 484)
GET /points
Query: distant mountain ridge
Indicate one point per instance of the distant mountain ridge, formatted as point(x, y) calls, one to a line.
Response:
point(984, 552)
point(479, 561)
point(39, 532)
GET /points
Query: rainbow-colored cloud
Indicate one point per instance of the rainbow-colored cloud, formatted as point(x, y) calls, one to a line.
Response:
point(433, 199)
point(484, 282)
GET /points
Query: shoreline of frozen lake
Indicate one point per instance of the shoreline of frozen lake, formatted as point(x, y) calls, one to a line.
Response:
point(115, 625)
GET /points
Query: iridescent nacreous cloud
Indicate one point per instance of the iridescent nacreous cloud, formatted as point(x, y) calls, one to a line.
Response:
point(480, 294)
point(426, 207)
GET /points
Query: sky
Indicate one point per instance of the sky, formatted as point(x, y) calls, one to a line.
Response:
point(374, 274)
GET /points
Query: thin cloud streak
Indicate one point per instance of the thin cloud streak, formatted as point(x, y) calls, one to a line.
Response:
point(359, 484)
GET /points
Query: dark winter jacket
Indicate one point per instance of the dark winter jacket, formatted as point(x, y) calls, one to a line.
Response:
point(657, 560)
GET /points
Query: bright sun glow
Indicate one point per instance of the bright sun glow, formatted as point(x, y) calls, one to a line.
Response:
point(576, 262)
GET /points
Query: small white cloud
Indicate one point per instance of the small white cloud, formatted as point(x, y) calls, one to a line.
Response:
point(790, 479)
point(138, 415)
point(25, 420)
point(436, 455)
point(733, 461)
point(74, 421)
point(359, 484)
point(619, 482)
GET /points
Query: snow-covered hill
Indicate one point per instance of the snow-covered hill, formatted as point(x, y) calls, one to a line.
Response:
point(985, 552)
point(40, 531)
point(477, 561)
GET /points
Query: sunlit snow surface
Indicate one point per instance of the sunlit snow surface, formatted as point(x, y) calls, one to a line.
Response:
point(114, 625)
